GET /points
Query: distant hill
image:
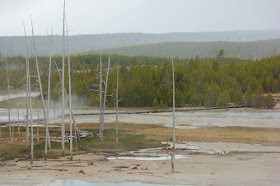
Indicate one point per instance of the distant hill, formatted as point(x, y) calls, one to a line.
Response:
point(15, 45)
point(243, 50)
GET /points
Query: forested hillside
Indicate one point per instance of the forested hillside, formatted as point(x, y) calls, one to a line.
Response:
point(15, 45)
point(199, 82)
point(243, 50)
point(84, 62)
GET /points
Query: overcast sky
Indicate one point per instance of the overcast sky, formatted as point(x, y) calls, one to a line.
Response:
point(147, 16)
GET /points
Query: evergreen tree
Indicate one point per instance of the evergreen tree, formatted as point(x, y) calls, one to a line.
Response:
point(224, 99)
point(269, 101)
point(155, 104)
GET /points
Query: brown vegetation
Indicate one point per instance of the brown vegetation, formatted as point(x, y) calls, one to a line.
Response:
point(135, 136)
point(234, 134)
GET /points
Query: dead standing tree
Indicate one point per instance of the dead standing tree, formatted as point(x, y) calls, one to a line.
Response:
point(100, 98)
point(49, 95)
point(104, 102)
point(117, 106)
point(18, 114)
point(72, 114)
point(101, 111)
point(9, 105)
point(39, 79)
point(69, 97)
point(27, 91)
point(62, 84)
point(30, 111)
point(174, 134)
point(38, 123)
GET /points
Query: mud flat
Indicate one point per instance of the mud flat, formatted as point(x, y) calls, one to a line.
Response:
point(243, 117)
point(185, 120)
point(230, 164)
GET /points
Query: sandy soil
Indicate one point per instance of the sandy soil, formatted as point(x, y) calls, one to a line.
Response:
point(251, 165)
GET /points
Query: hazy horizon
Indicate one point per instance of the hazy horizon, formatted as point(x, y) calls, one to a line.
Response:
point(81, 34)
point(87, 17)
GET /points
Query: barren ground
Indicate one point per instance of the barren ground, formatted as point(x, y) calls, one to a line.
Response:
point(228, 155)
point(212, 155)
point(242, 168)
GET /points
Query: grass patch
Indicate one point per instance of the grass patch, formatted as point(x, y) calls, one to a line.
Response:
point(133, 137)
point(249, 135)
point(128, 140)
point(21, 151)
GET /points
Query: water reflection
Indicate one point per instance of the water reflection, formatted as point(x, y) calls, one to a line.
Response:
point(159, 158)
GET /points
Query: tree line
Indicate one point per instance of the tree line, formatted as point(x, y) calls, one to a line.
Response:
point(147, 81)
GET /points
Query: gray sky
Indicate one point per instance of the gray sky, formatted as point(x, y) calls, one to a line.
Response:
point(148, 16)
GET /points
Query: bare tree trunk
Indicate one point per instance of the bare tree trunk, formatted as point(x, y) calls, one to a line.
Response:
point(117, 106)
point(9, 109)
point(72, 114)
point(75, 124)
point(38, 122)
point(48, 103)
point(105, 95)
point(172, 162)
point(62, 84)
point(74, 84)
point(100, 100)
point(31, 117)
point(13, 129)
point(70, 97)
point(27, 109)
point(39, 79)
point(18, 114)
point(27, 90)
point(174, 134)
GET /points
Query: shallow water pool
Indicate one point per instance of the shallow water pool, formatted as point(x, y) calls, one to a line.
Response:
point(70, 182)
